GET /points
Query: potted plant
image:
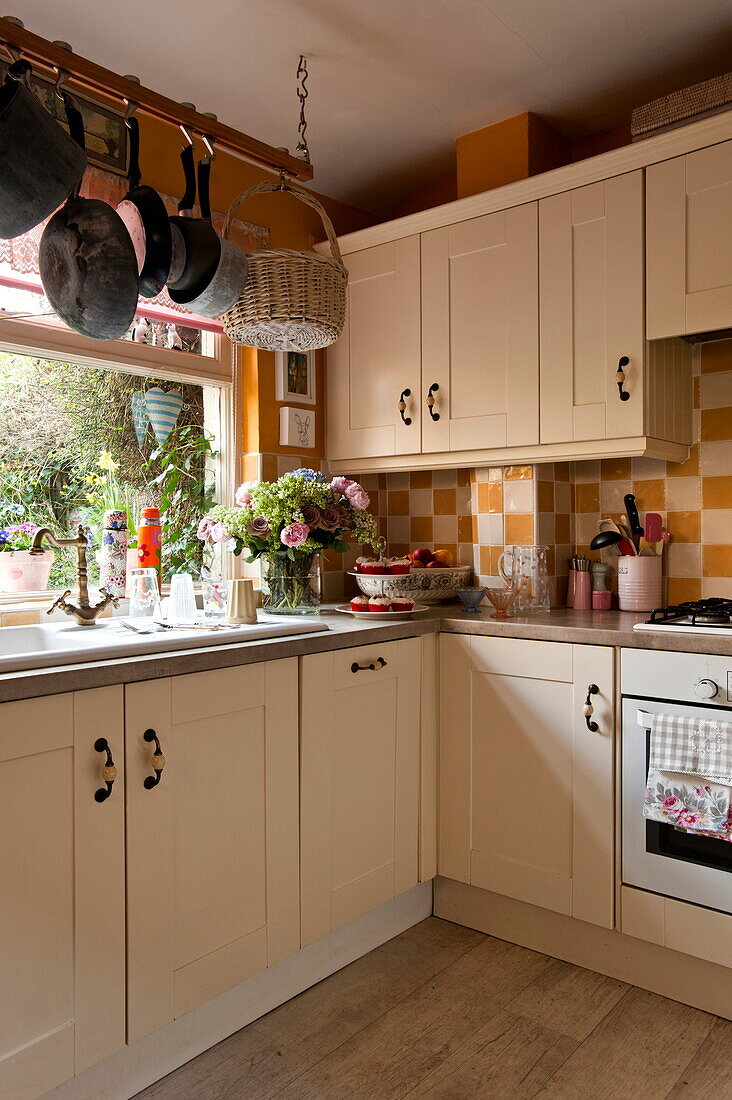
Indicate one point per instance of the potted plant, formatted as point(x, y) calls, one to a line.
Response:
point(21, 571)
point(287, 524)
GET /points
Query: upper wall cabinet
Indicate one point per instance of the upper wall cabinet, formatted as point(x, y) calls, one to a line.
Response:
point(689, 235)
point(375, 364)
point(480, 332)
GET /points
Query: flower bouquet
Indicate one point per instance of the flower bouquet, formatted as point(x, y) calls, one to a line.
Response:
point(287, 524)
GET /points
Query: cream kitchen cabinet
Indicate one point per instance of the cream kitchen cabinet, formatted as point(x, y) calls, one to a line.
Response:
point(526, 786)
point(480, 332)
point(375, 365)
point(62, 885)
point(212, 838)
point(591, 250)
point(689, 243)
point(360, 776)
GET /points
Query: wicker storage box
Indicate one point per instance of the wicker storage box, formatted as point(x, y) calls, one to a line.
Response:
point(709, 97)
point(292, 301)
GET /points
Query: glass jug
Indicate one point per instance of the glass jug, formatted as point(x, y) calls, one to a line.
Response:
point(526, 568)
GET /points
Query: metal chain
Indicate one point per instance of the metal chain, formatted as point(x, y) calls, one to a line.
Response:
point(302, 94)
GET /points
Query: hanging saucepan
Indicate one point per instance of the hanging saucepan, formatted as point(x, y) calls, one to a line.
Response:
point(231, 272)
point(196, 247)
point(143, 212)
point(40, 164)
point(87, 261)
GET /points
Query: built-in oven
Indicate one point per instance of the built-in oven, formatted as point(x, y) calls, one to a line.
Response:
point(655, 856)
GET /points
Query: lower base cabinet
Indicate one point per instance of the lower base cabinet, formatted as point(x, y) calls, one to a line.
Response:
point(526, 804)
point(360, 736)
point(62, 889)
point(212, 846)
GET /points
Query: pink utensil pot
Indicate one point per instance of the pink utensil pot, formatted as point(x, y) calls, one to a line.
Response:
point(639, 583)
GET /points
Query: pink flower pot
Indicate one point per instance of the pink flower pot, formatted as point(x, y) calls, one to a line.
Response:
point(639, 583)
point(21, 571)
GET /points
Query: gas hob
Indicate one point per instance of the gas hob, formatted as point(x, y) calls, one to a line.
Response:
point(709, 616)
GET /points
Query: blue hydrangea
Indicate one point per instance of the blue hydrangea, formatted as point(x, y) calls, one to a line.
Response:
point(308, 475)
point(4, 535)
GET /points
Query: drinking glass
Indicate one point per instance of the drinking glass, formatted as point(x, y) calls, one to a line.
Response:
point(144, 594)
point(182, 608)
point(214, 597)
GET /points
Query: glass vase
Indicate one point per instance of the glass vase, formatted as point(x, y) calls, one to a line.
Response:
point(291, 587)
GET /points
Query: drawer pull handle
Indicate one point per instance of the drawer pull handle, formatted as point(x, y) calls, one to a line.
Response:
point(431, 401)
point(109, 771)
point(375, 666)
point(588, 709)
point(402, 406)
point(620, 378)
point(157, 761)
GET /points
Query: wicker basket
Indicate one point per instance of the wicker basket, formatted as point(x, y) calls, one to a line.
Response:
point(292, 301)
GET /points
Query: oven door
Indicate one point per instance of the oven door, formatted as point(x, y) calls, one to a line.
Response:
point(656, 856)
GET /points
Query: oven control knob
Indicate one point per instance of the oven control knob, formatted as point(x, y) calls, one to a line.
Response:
point(706, 689)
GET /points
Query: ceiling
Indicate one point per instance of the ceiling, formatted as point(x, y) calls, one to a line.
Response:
point(393, 82)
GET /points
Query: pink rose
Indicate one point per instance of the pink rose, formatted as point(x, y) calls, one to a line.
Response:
point(258, 526)
point(243, 495)
point(331, 517)
point(218, 532)
point(673, 805)
point(294, 535)
point(204, 529)
point(340, 484)
point(687, 819)
point(356, 496)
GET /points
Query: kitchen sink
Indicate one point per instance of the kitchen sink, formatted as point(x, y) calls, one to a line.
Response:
point(29, 647)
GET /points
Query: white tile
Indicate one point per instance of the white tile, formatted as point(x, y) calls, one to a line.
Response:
point(611, 495)
point(482, 474)
point(683, 559)
point(545, 471)
point(696, 425)
point(476, 559)
point(474, 499)
point(683, 494)
point(518, 496)
point(585, 472)
point(496, 528)
point(495, 473)
point(696, 360)
point(716, 458)
point(370, 482)
point(546, 528)
point(716, 390)
point(716, 525)
point(585, 527)
point(645, 469)
point(445, 530)
point(462, 500)
point(717, 586)
point(464, 553)
point(491, 582)
point(444, 479)
point(420, 502)
point(484, 529)
point(287, 463)
point(397, 529)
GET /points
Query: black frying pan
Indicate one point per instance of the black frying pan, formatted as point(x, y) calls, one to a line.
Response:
point(201, 247)
point(230, 275)
point(143, 212)
point(87, 260)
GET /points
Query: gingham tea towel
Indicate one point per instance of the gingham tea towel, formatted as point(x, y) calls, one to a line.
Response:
point(692, 746)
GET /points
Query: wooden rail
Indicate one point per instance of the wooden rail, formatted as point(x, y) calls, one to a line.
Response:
point(87, 75)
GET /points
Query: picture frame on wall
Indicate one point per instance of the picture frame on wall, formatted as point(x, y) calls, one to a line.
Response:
point(297, 428)
point(295, 377)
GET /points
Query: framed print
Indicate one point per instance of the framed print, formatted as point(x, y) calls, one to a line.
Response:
point(297, 428)
point(295, 376)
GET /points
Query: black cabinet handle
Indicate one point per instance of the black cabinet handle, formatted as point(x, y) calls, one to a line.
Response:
point(402, 406)
point(588, 710)
point(620, 378)
point(431, 401)
point(375, 666)
point(157, 761)
point(109, 771)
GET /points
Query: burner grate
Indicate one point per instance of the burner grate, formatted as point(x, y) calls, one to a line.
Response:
point(698, 612)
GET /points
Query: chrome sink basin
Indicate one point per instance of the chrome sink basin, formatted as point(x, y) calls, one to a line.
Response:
point(42, 646)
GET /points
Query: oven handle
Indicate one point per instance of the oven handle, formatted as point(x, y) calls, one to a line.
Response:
point(644, 719)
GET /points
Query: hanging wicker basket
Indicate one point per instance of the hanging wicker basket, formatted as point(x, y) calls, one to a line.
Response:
point(292, 301)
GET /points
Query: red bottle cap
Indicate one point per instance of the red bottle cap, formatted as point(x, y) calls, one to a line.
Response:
point(150, 513)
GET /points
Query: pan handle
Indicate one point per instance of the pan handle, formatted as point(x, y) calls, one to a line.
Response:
point(185, 206)
point(76, 129)
point(204, 181)
point(134, 175)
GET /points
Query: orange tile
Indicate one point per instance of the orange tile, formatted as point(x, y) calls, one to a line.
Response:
point(545, 496)
point(382, 481)
point(688, 468)
point(19, 618)
point(717, 492)
point(484, 494)
point(474, 528)
point(716, 424)
point(697, 393)
point(519, 528)
point(587, 497)
point(496, 552)
point(485, 560)
point(681, 589)
point(397, 502)
point(495, 497)
point(399, 549)
point(615, 469)
point(551, 560)
point(451, 548)
point(465, 528)
point(463, 478)
point(332, 561)
point(684, 526)
point(717, 561)
point(269, 467)
point(250, 468)
point(420, 479)
point(444, 502)
point(716, 356)
point(561, 527)
point(518, 473)
point(650, 496)
point(561, 471)
point(420, 530)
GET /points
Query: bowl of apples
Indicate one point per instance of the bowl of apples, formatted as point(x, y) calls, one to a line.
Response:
point(432, 576)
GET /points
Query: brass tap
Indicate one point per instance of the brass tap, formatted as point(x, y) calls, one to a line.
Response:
point(85, 613)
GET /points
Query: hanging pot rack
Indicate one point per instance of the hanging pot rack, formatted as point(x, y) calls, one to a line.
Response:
point(89, 76)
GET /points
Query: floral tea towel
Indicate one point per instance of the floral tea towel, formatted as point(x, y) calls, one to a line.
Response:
point(690, 804)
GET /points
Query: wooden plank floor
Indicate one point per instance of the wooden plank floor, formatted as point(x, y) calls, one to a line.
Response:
point(446, 1012)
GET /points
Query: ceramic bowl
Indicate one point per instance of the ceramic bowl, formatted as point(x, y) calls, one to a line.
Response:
point(421, 585)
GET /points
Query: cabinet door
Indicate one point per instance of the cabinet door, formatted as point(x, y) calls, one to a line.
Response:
point(480, 332)
point(360, 713)
point(591, 310)
point(689, 243)
point(377, 356)
point(213, 847)
point(62, 935)
point(526, 788)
